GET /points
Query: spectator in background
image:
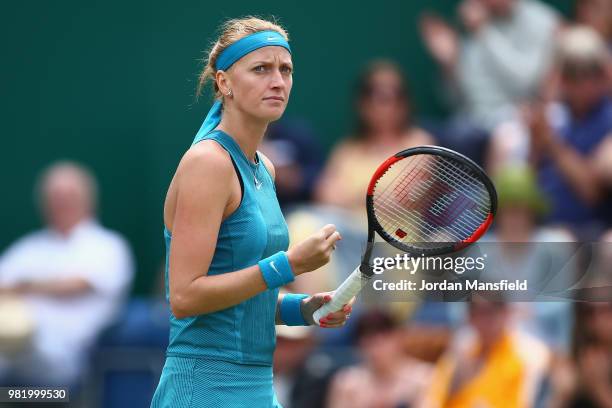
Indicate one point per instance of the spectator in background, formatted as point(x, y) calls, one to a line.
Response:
point(387, 378)
point(589, 384)
point(489, 364)
point(525, 250)
point(499, 64)
point(594, 356)
point(295, 383)
point(570, 141)
point(294, 149)
point(72, 275)
point(384, 127)
point(598, 15)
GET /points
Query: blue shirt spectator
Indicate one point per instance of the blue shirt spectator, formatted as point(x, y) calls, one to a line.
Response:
point(584, 135)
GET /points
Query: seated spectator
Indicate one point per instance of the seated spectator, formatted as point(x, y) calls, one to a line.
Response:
point(589, 383)
point(387, 377)
point(384, 127)
point(72, 275)
point(499, 64)
point(545, 262)
point(489, 364)
point(571, 140)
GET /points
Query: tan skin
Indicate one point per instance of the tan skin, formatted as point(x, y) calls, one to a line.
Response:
point(205, 191)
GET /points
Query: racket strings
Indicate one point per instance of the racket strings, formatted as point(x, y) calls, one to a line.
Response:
point(440, 199)
point(430, 198)
point(390, 219)
point(463, 207)
point(391, 225)
point(422, 191)
point(477, 188)
point(474, 189)
point(445, 170)
point(456, 208)
point(391, 222)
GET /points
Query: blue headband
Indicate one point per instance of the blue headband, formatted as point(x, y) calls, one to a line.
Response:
point(227, 58)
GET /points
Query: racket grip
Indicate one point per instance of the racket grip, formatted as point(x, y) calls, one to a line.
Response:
point(345, 292)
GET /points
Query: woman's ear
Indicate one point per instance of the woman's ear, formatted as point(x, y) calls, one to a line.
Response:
point(223, 82)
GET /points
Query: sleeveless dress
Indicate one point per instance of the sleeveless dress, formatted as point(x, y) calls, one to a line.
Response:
point(224, 358)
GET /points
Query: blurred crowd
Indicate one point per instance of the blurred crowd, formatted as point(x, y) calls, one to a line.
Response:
point(531, 99)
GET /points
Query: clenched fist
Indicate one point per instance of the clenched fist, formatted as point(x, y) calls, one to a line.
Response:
point(314, 251)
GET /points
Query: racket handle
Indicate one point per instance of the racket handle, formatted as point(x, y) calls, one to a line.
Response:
point(345, 292)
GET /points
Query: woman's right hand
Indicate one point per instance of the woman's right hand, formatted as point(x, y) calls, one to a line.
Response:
point(314, 251)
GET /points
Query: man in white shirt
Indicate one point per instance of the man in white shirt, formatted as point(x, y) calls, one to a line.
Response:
point(501, 61)
point(72, 276)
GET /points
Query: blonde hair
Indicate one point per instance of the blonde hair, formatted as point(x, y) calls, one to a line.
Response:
point(232, 31)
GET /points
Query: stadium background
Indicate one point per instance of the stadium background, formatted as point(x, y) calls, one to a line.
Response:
point(111, 85)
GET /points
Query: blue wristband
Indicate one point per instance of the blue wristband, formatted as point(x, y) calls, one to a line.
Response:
point(291, 310)
point(276, 270)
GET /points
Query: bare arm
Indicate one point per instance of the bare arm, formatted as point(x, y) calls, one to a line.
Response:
point(203, 193)
point(56, 288)
point(603, 161)
point(67, 287)
point(578, 171)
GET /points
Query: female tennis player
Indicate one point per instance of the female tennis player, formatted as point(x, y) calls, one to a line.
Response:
point(226, 238)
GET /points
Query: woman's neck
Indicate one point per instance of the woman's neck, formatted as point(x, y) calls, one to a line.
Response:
point(247, 131)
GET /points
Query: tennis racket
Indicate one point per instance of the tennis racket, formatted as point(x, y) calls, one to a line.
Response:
point(427, 200)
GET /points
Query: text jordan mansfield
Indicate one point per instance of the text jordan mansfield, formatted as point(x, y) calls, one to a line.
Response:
point(423, 285)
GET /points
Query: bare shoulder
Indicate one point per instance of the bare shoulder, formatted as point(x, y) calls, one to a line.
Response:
point(205, 158)
point(268, 163)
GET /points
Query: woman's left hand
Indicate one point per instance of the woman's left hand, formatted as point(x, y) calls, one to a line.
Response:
point(332, 320)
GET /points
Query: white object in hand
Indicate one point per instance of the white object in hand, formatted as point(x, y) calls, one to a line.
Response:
point(349, 288)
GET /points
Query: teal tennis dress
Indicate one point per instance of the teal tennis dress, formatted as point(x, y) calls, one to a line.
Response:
point(224, 359)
